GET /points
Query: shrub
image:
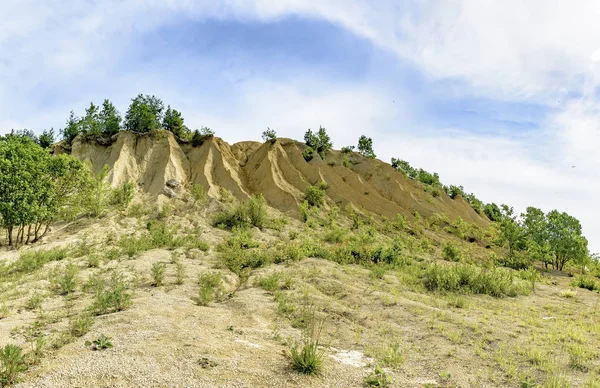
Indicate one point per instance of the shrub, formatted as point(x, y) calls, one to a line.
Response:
point(320, 142)
point(158, 273)
point(308, 154)
point(274, 282)
point(253, 212)
point(365, 147)
point(79, 326)
point(112, 296)
point(198, 193)
point(201, 135)
point(122, 196)
point(35, 301)
point(13, 364)
point(334, 235)
point(586, 282)
point(257, 212)
point(306, 357)
point(471, 279)
point(180, 272)
point(211, 288)
point(315, 195)
point(304, 210)
point(451, 252)
point(31, 260)
point(93, 260)
point(378, 378)
point(269, 135)
point(516, 261)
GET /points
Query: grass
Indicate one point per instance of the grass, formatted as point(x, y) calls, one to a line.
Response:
point(65, 282)
point(274, 282)
point(81, 325)
point(306, 357)
point(378, 378)
point(31, 260)
point(35, 301)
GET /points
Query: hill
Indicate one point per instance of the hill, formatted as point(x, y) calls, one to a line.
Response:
point(217, 271)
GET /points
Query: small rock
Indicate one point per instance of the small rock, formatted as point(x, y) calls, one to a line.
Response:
point(169, 192)
point(205, 363)
point(173, 183)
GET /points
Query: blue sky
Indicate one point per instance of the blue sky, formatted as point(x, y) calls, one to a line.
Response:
point(498, 96)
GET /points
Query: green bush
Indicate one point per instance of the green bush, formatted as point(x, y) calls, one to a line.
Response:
point(253, 212)
point(31, 260)
point(470, 279)
point(13, 363)
point(122, 196)
point(378, 378)
point(65, 282)
point(111, 296)
point(315, 195)
point(79, 326)
point(158, 273)
point(451, 252)
point(198, 193)
point(308, 154)
point(586, 282)
point(211, 288)
point(517, 261)
point(306, 357)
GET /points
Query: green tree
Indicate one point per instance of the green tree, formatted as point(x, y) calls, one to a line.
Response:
point(173, 122)
point(90, 123)
point(269, 135)
point(511, 232)
point(110, 119)
point(565, 239)
point(492, 211)
point(72, 130)
point(144, 114)
point(365, 147)
point(46, 139)
point(320, 142)
point(405, 167)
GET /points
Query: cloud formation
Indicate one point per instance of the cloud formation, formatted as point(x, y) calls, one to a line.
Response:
point(59, 55)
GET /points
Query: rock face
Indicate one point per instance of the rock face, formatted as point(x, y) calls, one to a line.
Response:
point(277, 170)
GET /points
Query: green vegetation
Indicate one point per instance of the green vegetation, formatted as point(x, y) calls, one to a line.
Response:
point(211, 288)
point(315, 195)
point(253, 212)
point(365, 147)
point(378, 378)
point(306, 356)
point(319, 142)
point(100, 343)
point(158, 274)
point(111, 295)
point(269, 135)
point(12, 364)
point(199, 136)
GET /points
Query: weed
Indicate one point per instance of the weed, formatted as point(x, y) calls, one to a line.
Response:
point(65, 282)
point(35, 301)
point(451, 252)
point(158, 273)
point(211, 288)
point(304, 210)
point(306, 357)
point(253, 212)
point(274, 282)
point(93, 261)
point(568, 294)
point(79, 326)
point(199, 194)
point(4, 311)
point(391, 355)
point(457, 301)
point(112, 296)
point(378, 378)
point(37, 349)
point(13, 364)
point(100, 343)
point(31, 260)
point(180, 272)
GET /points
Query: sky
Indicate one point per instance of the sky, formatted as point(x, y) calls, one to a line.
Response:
point(500, 96)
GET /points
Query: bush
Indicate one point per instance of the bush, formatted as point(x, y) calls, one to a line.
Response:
point(65, 282)
point(198, 193)
point(378, 378)
point(517, 261)
point(307, 358)
point(304, 210)
point(470, 279)
point(451, 252)
point(308, 154)
point(253, 212)
point(319, 142)
point(79, 326)
point(201, 135)
point(211, 288)
point(365, 147)
point(13, 364)
point(269, 135)
point(31, 260)
point(315, 195)
point(586, 282)
point(112, 296)
point(122, 196)
point(158, 274)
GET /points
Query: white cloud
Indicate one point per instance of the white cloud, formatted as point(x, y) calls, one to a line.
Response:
point(540, 51)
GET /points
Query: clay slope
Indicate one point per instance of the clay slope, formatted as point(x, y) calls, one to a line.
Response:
point(275, 169)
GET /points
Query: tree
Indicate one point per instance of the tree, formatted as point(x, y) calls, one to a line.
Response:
point(365, 147)
point(110, 119)
point(319, 142)
point(269, 135)
point(455, 191)
point(511, 232)
point(144, 114)
point(492, 211)
point(173, 122)
point(405, 167)
point(33, 187)
point(565, 239)
point(200, 135)
point(46, 139)
point(72, 130)
point(90, 123)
